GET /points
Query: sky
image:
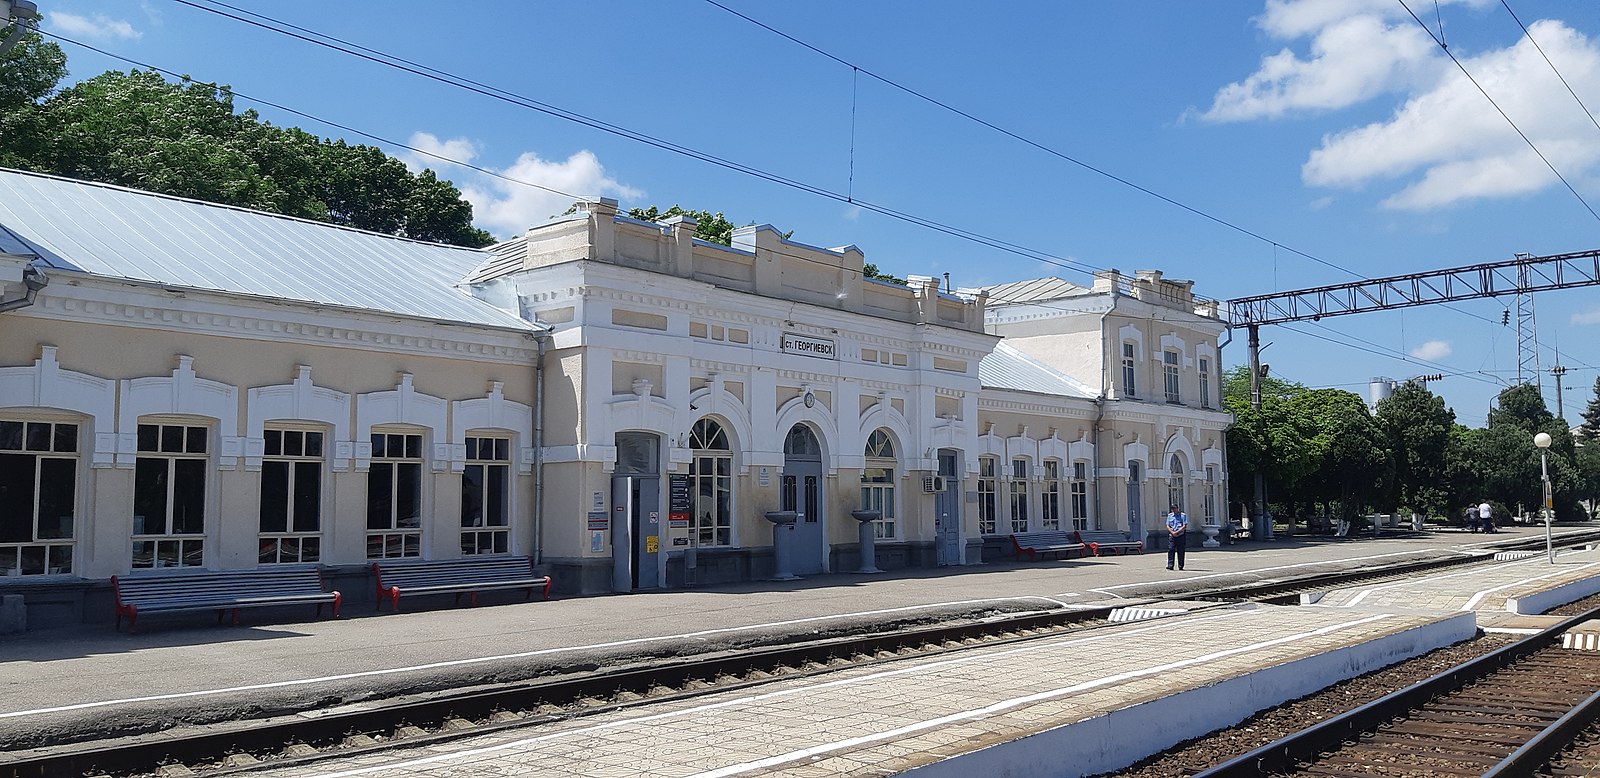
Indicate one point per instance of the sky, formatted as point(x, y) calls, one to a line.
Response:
point(1251, 146)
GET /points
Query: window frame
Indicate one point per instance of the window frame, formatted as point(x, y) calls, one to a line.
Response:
point(712, 452)
point(1176, 493)
point(1079, 490)
point(55, 555)
point(408, 539)
point(169, 547)
point(1204, 370)
point(273, 541)
point(1171, 361)
point(1050, 496)
point(878, 480)
point(1130, 371)
point(988, 499)
point(1017, 491)
point(486, 537)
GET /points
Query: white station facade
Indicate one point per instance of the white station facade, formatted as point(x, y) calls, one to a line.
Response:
point(187, 385)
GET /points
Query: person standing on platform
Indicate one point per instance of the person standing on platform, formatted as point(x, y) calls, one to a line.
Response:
point(1178, 529)
point(1486, 516)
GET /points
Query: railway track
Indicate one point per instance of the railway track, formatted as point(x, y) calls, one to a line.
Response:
point(230, 747)
point(1508, 713)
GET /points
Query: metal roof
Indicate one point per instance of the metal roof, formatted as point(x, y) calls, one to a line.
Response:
point(1008, 368)
point(1033, 290)
point(125, 233)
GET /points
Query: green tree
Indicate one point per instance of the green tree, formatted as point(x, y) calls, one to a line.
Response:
point(708, 226)
point(1350, 460)
point(1272, 441)
point(1505, 463)
point(1590, 429)
point(1416, 425)
point(136, 129)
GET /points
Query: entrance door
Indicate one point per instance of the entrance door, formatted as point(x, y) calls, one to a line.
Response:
point(636, 513)
point(947, 510)
point(802, 493)
point(1135, 501)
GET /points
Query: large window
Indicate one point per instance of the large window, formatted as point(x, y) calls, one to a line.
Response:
point(1080, 495)
point(711, 484)
point(1211, 496)
point(1129, 386)
point(1205, 382)
point(486, 497)
point(394, 496)
point(1019, 495)
point(987, 487)
point(169, 496)
point(291, 496)
point(1050, 496)
point(1175, 488)
point(38, 488)
point(877, 483)
point(1169, 370)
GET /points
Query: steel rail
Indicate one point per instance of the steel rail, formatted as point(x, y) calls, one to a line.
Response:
point(1284, 755)
point(1546, 745)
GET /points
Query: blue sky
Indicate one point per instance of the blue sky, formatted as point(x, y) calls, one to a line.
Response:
point(1330, 128)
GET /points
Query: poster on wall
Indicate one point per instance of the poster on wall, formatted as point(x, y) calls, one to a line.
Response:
point(678, 502)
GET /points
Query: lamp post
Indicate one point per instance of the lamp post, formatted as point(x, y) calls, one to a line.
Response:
point(1542, 440)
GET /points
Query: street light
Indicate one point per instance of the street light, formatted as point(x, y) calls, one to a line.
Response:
point(1542, 440)
point(23, 11)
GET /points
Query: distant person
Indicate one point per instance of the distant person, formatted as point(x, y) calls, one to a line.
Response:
point(1472, 518)
point(1486, 516)
point(1178, 529)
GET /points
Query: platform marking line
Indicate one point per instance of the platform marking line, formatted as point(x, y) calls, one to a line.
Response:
point(1262, 570)
point(923, 725)
point(500, 657)
point(1477, 598)
point(1411, 582)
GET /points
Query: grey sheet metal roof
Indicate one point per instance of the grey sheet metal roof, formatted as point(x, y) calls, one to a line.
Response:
point(124, 233)
point(1008, 368)
point(1033, 290)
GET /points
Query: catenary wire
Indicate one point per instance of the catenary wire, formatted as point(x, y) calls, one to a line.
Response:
point(1013, 248)
point(1553, 68)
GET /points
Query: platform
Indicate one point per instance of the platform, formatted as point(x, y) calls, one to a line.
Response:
point(1073, 705)
point(1524, 586)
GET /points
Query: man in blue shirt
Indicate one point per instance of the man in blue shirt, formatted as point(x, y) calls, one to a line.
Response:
point(1178, 529)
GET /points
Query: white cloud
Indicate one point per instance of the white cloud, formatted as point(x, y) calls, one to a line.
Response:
point(1433, 349)
point(1444, 143)
point(1321, 203)
point(98, 26)
point(528, 192)
point(852, 212)
point(1587, 317)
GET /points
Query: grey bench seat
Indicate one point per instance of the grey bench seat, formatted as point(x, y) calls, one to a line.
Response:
point(222, 591)
point(1102, 541)
point(467, 575)
point(1031, 544)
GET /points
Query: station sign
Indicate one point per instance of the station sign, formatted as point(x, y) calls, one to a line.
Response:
point(809, 346)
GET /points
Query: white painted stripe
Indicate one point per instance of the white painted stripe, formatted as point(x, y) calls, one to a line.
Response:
point(986, 657)
point(499, 657)
point(1476, 598)
point(1256, 570)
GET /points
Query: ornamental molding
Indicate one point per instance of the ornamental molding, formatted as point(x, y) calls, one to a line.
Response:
point(321, 327)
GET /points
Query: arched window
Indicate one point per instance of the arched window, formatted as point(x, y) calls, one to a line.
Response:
point(1175, 488)
point(877, 482)
point(801, 444)
point(711, 483)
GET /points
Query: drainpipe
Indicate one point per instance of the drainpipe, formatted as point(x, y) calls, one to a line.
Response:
point(1099, 414)
point(32, 280)
point(542, 338)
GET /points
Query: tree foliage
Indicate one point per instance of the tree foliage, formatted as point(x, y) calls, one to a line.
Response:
point(708, 226)
point(138, 130)
point(1416, 426)
point(1590, 429)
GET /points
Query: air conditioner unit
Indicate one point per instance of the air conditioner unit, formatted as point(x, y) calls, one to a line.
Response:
point(933, 483)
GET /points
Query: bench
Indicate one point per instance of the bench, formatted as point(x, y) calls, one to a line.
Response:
point(231, 590)
point(1031, 544)
point(1099, 542)
point(467, 575)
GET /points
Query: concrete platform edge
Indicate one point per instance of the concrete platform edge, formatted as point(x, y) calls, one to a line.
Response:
point(1114, 741)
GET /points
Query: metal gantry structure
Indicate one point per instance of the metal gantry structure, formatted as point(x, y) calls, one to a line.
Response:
point(1522, 276)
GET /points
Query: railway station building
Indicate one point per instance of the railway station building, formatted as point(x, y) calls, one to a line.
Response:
point(188, 385)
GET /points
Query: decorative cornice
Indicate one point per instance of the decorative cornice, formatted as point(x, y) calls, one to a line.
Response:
point(242, 322)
